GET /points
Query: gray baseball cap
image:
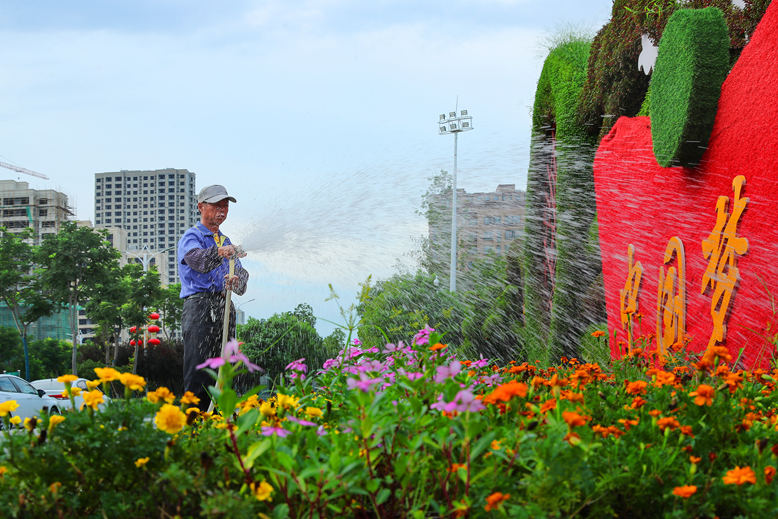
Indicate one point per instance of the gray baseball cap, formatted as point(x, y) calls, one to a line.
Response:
point(214, 193)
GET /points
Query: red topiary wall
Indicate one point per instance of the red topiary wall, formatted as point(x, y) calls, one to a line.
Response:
point(642, 204)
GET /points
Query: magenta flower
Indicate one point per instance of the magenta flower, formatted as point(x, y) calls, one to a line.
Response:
point(364, 383)
point(299, 420)
point(463, 401)
point(280, 431)
point(214, 363)
point(445, 372)
point(297, 365)
point(423, 337)
point(320, 431)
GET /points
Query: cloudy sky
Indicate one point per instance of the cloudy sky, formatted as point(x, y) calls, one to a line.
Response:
point(319, 116)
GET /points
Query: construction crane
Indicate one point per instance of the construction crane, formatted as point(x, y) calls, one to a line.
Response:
point(23, 170)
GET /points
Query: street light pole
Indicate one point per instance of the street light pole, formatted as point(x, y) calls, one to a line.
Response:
point(455, 125)
point(146, 259)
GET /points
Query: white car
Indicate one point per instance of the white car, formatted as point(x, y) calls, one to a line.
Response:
point(56, 389)
point(31, 401)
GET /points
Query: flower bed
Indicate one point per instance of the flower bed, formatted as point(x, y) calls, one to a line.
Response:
point(410, 431)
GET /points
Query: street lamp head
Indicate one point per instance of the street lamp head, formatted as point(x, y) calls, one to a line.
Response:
point(442, 117)
point(452, 114)
point(464, 113)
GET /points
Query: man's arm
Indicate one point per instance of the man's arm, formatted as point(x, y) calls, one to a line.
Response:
point(203, 260)
point(243, 277)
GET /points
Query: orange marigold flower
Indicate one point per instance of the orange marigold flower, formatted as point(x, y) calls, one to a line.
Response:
point(557, 382)
point(655, 413)
point(438, 346)
point(628, 423)
point(637, 403)
point(574, 419)
point(684, 491)
point(637, 388)
point(668, 422)
point(598, 333)
point(456, 466)
point(506, 392)
point(703, 395)
point(572, 438)
point(664, 378)
point(494, 500)
point(738, 476)
point(687, 431)
point(573, 397)
point(734, 381)
point(548, 405)
point(694, 459)
point(769, 474)
point(538, 381)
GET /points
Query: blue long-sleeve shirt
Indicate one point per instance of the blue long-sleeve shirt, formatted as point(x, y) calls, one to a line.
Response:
point(200, 268)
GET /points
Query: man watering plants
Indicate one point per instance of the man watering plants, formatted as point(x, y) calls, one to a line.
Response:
point(204, 255)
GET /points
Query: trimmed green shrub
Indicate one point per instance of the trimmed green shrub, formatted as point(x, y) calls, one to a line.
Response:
point(692, 64)
point(560, 208)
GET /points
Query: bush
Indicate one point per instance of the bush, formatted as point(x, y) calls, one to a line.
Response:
point(412, 432)
point(692, 64)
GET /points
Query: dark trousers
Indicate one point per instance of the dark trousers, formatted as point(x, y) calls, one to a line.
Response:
point(202, 325)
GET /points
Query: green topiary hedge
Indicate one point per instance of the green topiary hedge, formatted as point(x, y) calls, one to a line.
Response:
point(559, 209)
point(692, 64)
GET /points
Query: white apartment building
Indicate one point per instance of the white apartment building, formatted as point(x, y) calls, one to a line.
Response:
point(155, 208)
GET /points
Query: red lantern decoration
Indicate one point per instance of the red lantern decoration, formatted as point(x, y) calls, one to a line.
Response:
point(154, 341)
point(153, 328)
point(133, 329)
point(132, 342)
point(153, 316)
point(140, 342)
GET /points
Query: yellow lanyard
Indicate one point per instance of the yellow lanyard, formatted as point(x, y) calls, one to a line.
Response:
point(218, 239)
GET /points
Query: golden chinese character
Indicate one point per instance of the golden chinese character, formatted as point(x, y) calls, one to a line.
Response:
point(720, 248)
point(628, 296)
point(671, 306)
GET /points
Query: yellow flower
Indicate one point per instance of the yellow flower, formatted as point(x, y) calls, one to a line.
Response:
point(54, 420)
point(495, 445)
point(314, 412)
point(93, 398)
point(3, 470)
point(67, 378)
point(16, 420)
point(107, 374)
point(141, 461)
point(262, 491)
point(170, 419)
point(267, 409)
point(134, 382)
point(75, 391)
point(30, 423)
point(8, 406)
point(287, 402)
point(189, 398)
point(92, 384)
point(162, 393)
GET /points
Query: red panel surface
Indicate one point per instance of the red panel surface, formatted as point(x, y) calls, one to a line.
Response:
point(643, 204)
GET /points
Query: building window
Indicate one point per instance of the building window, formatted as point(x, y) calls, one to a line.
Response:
point(43, 201)
point(488, 235)
point(509, 235)
point(43, 212)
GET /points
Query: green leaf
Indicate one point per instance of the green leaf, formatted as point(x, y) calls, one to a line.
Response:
point(246, 421)
point(227, 402)
point(383, 495)
point(372, 485)
point(285, 460)
point(481, 446)
point(256, 450)
point(281, 511)
point(400, 465)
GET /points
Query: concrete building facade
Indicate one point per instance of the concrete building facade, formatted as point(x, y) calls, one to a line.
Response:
point(43, 210)
point(154, 208)
point(486, 222)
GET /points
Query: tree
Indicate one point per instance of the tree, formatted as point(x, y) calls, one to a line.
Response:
point(104, 307)
point(171, 308)
point(17, 285)
point(71, 263)
point(11, 353)
point(403, 304)
point(275, 342)
point(304, 313)
point(144, 293)
point(334, 342)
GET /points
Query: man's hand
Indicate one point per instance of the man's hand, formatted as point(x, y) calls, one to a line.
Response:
point(229, 251)
point(231, 283)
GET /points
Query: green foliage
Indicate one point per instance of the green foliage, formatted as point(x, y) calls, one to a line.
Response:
point(11, 353)
point(71, 264)
point(560, 208)
point(571, 440)
point(692, 64)
point(399, 306)
point(275, 342)
point(614, 85)
point(171, 309)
